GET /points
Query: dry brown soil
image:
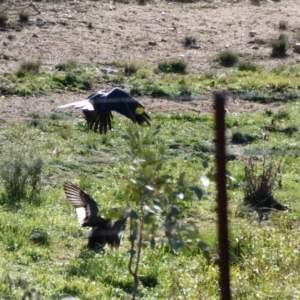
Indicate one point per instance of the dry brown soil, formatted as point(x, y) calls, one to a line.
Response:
point(153, 32)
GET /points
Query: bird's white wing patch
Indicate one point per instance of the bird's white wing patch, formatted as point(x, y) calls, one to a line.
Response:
point(81, 214)
point(84, 104)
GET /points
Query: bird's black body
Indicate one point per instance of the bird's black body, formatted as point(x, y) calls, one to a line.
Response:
point(103, 231)
point(98, 107)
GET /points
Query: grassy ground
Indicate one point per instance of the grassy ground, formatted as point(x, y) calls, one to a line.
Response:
point(42, 245)
point(263, 85)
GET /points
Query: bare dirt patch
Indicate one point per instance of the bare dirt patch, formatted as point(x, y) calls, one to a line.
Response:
point(94, 31)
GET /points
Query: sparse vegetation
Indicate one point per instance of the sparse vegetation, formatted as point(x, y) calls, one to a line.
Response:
point(173, 66)
point(279, 46)
point(262, 85)
point(227, 58)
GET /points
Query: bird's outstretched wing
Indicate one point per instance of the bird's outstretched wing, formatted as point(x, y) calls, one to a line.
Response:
point(86, 207)
point(125, 105)
point(97, 109)
point(115, 100)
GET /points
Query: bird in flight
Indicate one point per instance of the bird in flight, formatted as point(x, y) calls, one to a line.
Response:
point(103, 231)
point(98, 107)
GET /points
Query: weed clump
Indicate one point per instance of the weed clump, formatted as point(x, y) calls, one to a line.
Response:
point(29, 68)
point(130, 68)
point(189, 41)
point(67, 66)
point(3, 18)
point(259, 185)
point(279, 46)
point(21, 179)
point(173, 66)
point(227, 58)
point(247, 66)
point(23, 16)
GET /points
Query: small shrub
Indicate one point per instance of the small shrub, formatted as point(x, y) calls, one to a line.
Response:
point(173, 66)
point(3, 18)
point(279, 46)
point(282, 25)
point(189, 41)
point(29, 68)
point(247, 66)
point(255, 2)
point(21, 178)
point(260, 182)
point(23, 16)
point(67, 66)
point(227, 58)
point(130, 68)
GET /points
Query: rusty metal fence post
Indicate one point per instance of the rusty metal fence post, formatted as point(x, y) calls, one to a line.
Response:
point(220, 97)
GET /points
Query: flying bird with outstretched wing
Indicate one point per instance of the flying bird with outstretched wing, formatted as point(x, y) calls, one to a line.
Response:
point(103, 231)
point(98, 107)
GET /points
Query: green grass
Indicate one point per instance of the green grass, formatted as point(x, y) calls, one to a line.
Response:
point(172, 66)
point(42, 246)
point(248, 81)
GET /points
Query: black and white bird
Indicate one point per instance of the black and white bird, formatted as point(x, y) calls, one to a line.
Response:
point(103, 231)
point(98, 107)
